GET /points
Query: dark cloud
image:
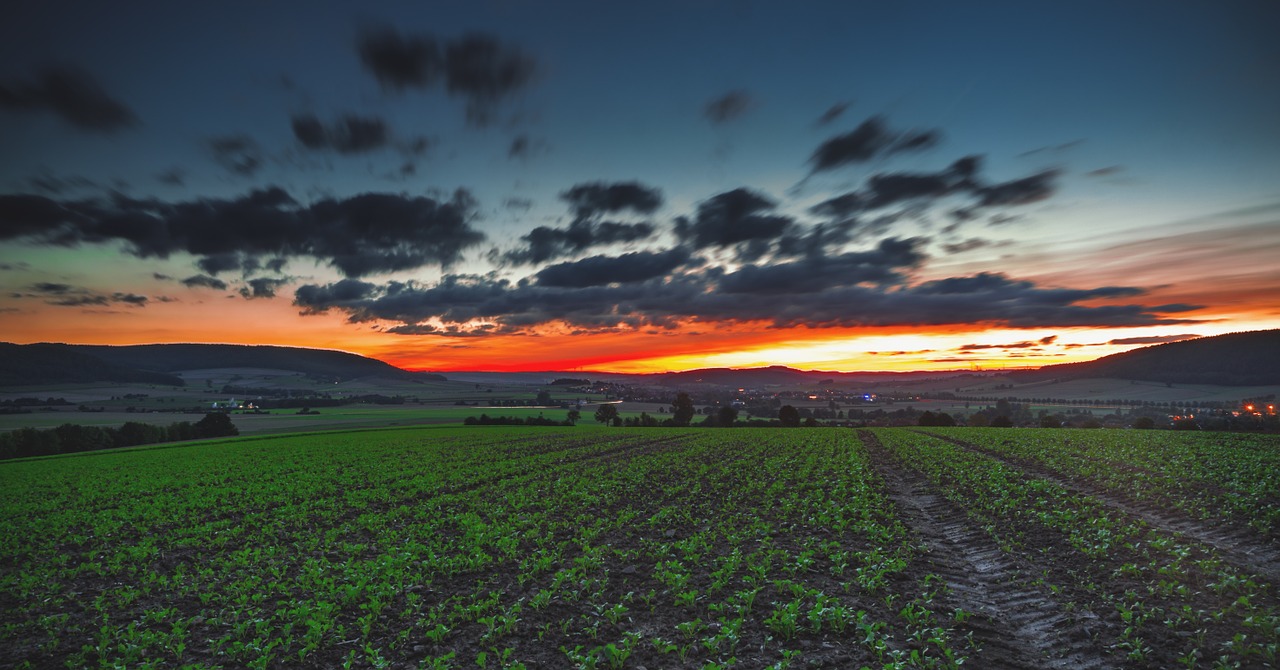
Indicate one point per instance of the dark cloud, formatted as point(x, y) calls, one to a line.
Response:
point(546, 243)
point(11, 267)
point(888, 189)
point(728, 107)
point(350, 134)
point(596, 198)
point(518, 204)
point(204, 281)
point(72, 94)
point(1011, 345)
point(1023, 191)
point(872, 138)
point(589, 202)
point(833, 112)
point(158, 276)
point(603, 270)
point(237, 154)
point(363, 234)
point(664, 302)
point(814, 274)
point(262, 287)
point(1154, 339)
point(483, 70)
point(401, 62)
point(130, 299)
point(735, 216)
point(219, 263)
point(519, 147)
point(477, 67)
point(66, 295)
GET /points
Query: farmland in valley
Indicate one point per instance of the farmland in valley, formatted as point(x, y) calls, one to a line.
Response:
point(621, 548)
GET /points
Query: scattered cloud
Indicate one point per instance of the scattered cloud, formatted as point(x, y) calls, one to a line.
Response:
point(833, 112)
point(872, 138)
point(545, 243)
point(603, 270)
point(360, 235)
point(589, 202)
point(728, 107)
point(477, 67)
point(740, 215)
point(204, 281)
point(73, 95)
point(262, 287)
point(350, 134)
point(499, 305)
point(66, 295)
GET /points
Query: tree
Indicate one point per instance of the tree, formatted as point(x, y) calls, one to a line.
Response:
point(978, 420)
point(1001, 422)
point(789, 416)
point(726, 416)
point(216, 424)
point(573, 416)
point(544, 398)
point(682, 409)
point(1144, 423)
point(606, 414)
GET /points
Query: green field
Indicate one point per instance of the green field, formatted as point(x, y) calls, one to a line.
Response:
point(621, 548)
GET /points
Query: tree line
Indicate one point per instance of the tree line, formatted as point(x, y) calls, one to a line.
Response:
point(70, 438)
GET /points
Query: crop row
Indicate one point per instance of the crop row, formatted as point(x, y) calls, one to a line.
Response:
point(520, 547)
point(1233, 478)
point(453, 548)
point(1162, 598)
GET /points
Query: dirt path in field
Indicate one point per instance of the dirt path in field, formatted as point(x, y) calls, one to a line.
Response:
point(1016, 626)
point(1239, 546)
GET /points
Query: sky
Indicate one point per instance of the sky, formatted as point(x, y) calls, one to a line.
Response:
point(640, 187)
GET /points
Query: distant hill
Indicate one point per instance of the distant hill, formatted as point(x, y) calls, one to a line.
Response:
point(155, 363)
point(778, 375)
point(1238, 359)
point(32, 364)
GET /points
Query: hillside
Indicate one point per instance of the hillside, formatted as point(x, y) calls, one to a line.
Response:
point(37, 364)
point(155, 363)
point(1237, 359)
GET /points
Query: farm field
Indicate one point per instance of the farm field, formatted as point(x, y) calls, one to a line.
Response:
point(620, 548)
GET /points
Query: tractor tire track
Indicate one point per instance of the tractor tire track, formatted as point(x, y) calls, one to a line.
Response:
point(1016, 626)
point(1241, 547)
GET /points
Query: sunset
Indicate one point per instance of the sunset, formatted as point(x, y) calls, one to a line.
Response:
point(707, 334)
point(570, 186)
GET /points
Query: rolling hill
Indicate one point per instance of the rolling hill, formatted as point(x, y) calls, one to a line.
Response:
point(32, 364)
point(1237, 359)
